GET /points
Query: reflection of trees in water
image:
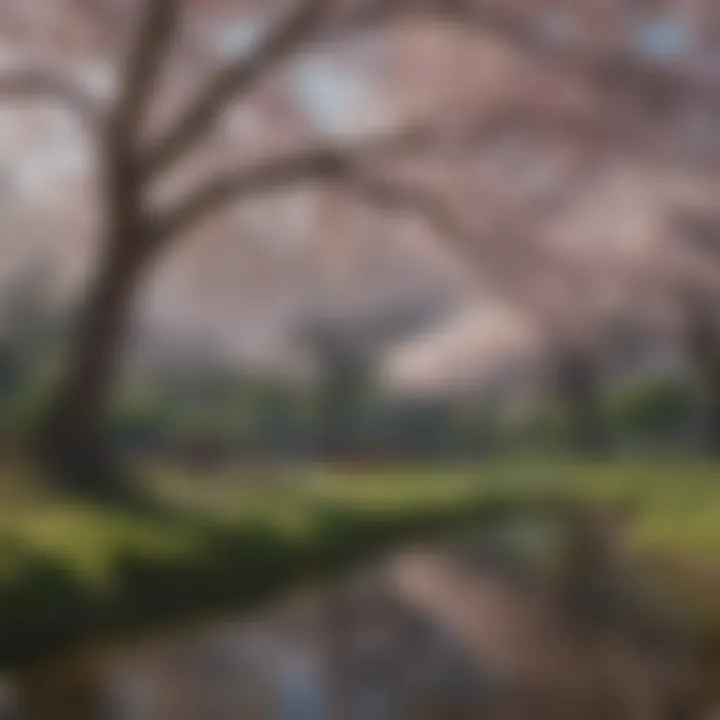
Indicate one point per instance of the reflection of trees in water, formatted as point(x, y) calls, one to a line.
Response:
point(356, 653)
point(388, 658)
point(424, 637)
point(300, 692)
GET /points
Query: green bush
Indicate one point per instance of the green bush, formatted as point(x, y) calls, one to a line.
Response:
point(660, 410)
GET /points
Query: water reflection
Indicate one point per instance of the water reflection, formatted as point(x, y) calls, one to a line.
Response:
point(428, 635)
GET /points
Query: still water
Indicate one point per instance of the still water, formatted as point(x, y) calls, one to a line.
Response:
point(431, 633)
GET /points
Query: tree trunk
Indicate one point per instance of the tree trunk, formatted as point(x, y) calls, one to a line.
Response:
point(345, 381)
point(73, 439)
point(704, 348)
point(581, 397)
point(713, 412)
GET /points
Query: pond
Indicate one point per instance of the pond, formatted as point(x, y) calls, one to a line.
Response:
point(473, 628)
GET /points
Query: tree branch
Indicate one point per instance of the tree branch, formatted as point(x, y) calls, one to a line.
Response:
point(610, 71)
point(423, 203)
point(494, 255)
point(632, 91)
point(500, 255)
point(103, 12)
point(236, 80)
point(702, 230)
point(41, 84)
point(346, 167)
point(333, 162)
point(157, 25)
point(325, 162)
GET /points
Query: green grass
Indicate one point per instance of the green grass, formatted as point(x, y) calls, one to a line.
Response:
point(71, 571)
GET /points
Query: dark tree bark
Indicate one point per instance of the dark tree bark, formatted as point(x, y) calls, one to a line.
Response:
point(344, 384)
point(73, 438)
point(703, 338)
point(73, 441)
point(579, 387)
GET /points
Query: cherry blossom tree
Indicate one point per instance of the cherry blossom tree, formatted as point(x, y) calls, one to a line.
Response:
point(134, 160)
point(169, 97)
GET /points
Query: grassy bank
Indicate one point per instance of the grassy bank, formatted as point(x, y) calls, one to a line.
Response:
point(70, 571)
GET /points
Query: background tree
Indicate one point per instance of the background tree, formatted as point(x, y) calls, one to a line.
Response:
point(693, 280)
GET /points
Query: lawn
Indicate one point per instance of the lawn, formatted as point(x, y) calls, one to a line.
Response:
point(70, 570)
